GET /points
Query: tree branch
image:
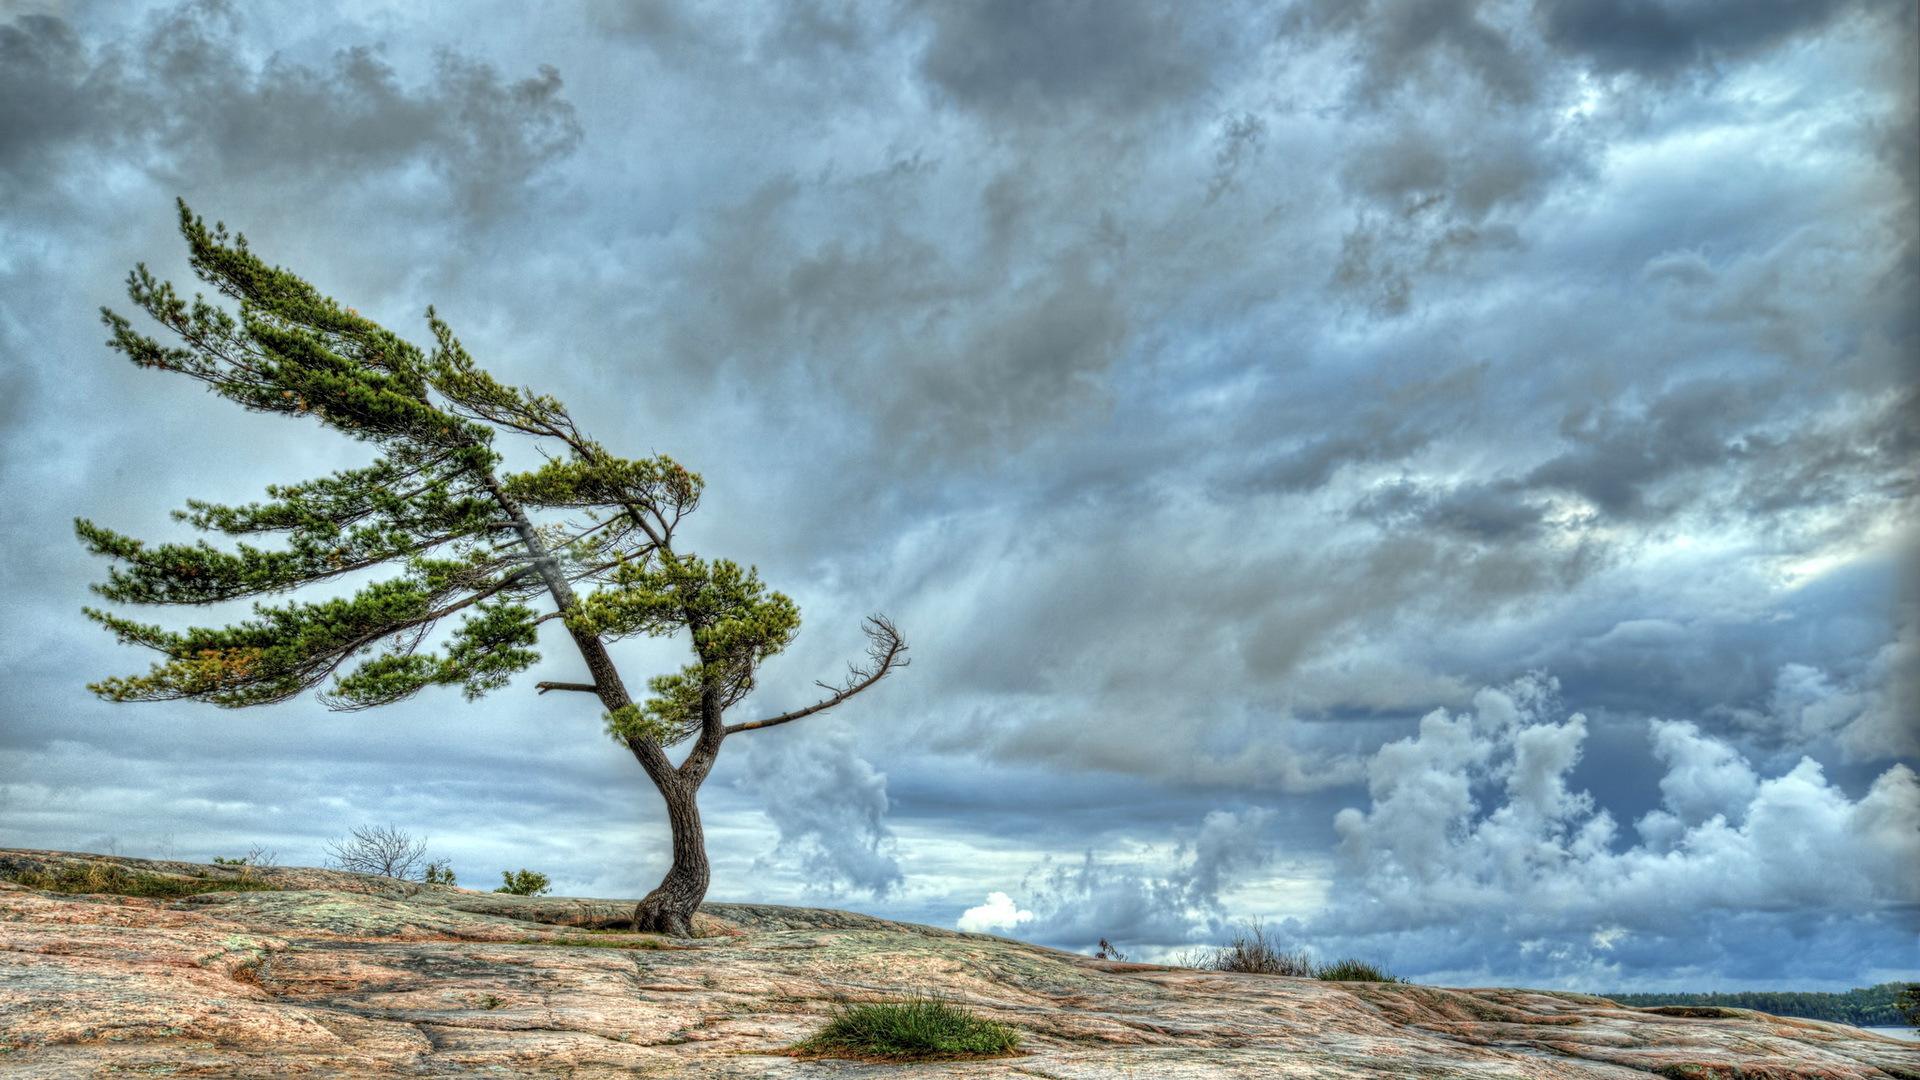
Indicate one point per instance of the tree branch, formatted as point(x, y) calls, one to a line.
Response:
point(886, 652)
point(583, 687)
point(607, 682)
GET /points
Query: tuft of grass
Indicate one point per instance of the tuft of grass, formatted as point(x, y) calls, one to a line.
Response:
point(113, 880)
point(1351, 970)
point(1253, 953)
point(917, 1029)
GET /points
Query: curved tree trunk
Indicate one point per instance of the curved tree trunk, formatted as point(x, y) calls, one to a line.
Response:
point(669, 908)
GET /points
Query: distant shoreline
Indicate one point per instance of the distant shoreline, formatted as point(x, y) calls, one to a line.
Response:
point(1869, 1007)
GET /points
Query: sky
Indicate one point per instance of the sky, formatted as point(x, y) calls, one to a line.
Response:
point(1433, 478)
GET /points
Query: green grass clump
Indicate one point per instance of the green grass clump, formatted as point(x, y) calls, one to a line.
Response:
point(918, 1029)
point(113, 880)
point(1352, 971)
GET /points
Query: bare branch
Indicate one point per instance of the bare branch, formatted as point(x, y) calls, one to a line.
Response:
point(379, 849)
point(583, 687)
point(886, 653)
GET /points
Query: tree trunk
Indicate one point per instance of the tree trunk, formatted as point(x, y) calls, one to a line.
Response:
point(669, 908)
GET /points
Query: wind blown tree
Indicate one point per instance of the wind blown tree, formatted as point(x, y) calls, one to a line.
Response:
point(588, 539)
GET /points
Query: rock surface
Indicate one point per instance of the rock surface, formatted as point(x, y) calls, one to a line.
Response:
point(335, 974)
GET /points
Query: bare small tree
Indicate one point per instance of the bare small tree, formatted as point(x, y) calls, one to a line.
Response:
point(256, 856)
point(379, 849)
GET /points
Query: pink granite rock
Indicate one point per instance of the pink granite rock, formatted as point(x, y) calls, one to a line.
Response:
point(331, 974)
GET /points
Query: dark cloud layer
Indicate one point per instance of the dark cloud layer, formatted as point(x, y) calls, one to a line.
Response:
point(1652, 38)
point(1212, 394)
point(1024, 63)
point(182, 99)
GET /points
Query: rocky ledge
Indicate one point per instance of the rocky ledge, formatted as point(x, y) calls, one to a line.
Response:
point(317, 972)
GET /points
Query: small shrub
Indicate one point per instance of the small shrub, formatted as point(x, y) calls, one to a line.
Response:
point(379, 849)
point(1253, 953)
point(524, 882)
point(918, 1029)
point(1351, 970)
point(439, 872)
point(256, 856)
point(1197, 957)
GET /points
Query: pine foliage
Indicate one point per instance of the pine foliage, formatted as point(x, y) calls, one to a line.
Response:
point(460, 568)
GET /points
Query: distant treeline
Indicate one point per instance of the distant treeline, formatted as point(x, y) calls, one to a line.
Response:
point(1871, 1006)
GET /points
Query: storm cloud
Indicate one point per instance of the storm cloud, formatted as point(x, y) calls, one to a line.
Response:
point(1234, 405)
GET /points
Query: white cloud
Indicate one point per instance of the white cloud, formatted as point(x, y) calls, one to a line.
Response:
point(1148, 897)
point(829, 805)
point(1704, 775)
point(998, 913)
point(1475, 831)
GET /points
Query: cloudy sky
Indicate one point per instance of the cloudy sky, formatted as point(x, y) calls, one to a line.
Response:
point(1432, 477)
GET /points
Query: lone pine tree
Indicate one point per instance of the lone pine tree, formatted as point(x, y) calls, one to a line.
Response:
point(588, 539)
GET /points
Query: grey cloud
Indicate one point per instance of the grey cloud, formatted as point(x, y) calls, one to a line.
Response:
point(948, 357)
point(1646, 462)
point(45, 99)
point(1862, 714)
point(1653, 651)
point(1665, 37)
point(1236, 147)
point(181, 95)
point(1437, 191)
point(1618, 458)
point(17, 390)
point(1402, 45)
point(1137, 904)
point(1374, 437)
point(1487, 512)
point(1463, 174)
point(829, 805)
point(664, 23)
point(1442, 187)
point(1011, 59)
